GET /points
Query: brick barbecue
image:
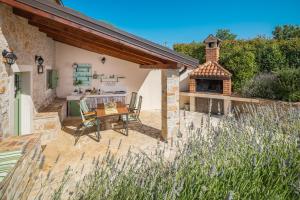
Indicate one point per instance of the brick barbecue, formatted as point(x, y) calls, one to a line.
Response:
point(211, 76)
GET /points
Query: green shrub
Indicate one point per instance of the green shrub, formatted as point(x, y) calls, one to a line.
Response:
point(288, 85)
point(239, 58)
point(262, 86)
point(256, 156)
point(193, 49)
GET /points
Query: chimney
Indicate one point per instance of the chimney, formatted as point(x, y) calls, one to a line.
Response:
point(212, 48)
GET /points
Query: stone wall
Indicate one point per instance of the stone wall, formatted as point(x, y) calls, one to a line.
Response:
point(170, 103)
point(26, 41)
point(202, 105)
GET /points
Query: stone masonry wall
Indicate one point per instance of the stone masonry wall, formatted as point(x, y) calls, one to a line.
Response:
point(170, 103)
point(26, 41)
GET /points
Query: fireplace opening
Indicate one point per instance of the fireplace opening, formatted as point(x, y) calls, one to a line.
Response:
point(203, 85)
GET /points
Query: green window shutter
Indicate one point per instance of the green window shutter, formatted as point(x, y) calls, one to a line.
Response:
point(54, 79)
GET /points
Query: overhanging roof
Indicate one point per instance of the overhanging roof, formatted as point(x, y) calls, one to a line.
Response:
point(70, 27)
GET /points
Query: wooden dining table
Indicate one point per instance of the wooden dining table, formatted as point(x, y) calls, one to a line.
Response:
point(122, 110)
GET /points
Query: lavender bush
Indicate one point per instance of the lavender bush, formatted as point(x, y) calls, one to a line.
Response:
point(254, 156)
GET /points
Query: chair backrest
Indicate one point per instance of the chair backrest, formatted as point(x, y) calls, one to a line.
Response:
point(139, 106)
point(132, 101)
point(83, 106)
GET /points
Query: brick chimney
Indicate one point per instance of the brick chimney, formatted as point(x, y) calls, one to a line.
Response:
point(212, 48)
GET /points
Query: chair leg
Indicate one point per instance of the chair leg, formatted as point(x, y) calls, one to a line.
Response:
point(98, 129)
point(141, 124)
point(77, 136)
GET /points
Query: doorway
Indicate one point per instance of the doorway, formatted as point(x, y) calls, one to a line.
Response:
point(17, 104)
point(22, 103)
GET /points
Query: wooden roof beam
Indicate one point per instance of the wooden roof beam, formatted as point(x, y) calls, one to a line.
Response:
point(94, 48)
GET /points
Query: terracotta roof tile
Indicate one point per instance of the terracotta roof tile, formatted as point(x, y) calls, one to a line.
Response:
point(211, 69)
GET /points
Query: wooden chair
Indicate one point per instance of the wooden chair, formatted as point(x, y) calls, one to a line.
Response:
point(131, 105)
point(89, 120)
point(134, 116)
point(85, 109)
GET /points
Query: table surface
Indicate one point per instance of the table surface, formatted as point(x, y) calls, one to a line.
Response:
point(121, 107)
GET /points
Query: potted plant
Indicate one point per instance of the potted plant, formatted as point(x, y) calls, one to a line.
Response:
point(77, 83)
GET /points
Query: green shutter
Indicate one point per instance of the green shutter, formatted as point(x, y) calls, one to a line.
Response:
point(54, 79)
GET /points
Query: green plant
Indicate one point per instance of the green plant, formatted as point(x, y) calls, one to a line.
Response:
point(77, 82)
point(263, 86)
point(255, 156)
point(225, 34)
point(288, 85)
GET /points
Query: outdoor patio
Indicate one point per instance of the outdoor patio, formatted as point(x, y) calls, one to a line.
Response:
point(61, 153)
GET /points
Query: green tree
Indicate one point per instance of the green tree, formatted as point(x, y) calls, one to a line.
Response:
point(268, 55)
point(225, 34)
point(239, 58)
point(286, 32)
point(291, 50)
point(288, 86)
point(194, 49)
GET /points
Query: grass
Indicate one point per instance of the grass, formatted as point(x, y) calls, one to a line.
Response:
point(254, 156)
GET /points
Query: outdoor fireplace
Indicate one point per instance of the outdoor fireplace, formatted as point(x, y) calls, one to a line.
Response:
point(203, 85)
point(211, 77)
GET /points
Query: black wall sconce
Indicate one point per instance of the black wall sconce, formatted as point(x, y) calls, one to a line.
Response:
point(39, 61)
point(103, 60)
point(10, 57)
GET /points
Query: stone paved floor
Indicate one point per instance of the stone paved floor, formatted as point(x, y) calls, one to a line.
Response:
point(62, 153)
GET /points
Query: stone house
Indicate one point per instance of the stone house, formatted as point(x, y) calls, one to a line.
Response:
point(48, 38)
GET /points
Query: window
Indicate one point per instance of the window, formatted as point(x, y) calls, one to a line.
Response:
point(52, 78)
point(49, 79)
point(82, 74)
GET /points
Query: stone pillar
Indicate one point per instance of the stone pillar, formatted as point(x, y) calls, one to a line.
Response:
point(227, 106)
point(192, 104)
point(170, 103)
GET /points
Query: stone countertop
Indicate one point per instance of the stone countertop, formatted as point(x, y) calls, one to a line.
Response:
point(107, 95)
point(80, 96)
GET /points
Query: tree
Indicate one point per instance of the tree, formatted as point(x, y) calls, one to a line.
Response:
point(194, 49)
point(286, 32)
point(225, 34)
point(239, 58)
point(268, 55)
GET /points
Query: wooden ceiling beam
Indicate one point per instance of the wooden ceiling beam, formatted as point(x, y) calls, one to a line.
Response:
point(160, 66)
point(57, 32)
point(93, 48)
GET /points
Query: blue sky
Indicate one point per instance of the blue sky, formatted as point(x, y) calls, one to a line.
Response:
point(176, 21)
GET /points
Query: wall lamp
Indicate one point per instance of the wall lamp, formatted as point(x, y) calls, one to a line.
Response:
point(103, 60)
point(39, 61)
point(10, 57)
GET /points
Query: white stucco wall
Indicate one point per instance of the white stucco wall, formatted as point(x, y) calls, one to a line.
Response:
point(144, 81)
point(184, 80)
